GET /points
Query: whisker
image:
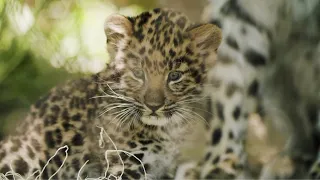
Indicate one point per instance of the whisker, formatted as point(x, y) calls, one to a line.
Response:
point(181, 115)
point(200, 109)
point(128, 115)
point(120, 111)
point(139, 114)
point(111, 108)
point(123, 117)
point(114, 95)
point(116, 105)
point(119, 94)
point(134, 117)
point(120, 114)
point(194, 114)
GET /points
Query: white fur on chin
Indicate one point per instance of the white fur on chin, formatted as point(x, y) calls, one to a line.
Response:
point(154, 120)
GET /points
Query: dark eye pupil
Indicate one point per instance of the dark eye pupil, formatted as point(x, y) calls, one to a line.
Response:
point(174, 76)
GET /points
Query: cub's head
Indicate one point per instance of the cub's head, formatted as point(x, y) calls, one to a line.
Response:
point(159, 63)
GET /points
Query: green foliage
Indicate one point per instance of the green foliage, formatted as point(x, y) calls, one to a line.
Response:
point(45, 42)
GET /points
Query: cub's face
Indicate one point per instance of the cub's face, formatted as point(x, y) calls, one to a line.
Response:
point(160, 63)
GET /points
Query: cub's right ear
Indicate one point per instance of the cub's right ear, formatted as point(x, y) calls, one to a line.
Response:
point(117, 28)
point(207, 38)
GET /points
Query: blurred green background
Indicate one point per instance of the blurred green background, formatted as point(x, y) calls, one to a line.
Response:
point(45, 42)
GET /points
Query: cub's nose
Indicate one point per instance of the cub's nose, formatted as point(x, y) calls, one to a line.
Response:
point(154, 108)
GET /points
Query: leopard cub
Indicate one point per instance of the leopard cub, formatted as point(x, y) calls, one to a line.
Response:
point(143, 100)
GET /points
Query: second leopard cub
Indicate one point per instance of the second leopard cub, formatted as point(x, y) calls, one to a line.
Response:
point(143, 100)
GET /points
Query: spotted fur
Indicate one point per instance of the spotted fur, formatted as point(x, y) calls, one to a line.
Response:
point(143, 100)
point(251, 30)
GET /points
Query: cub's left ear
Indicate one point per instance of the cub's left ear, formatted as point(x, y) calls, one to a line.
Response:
point(117, 29)
point(206, 37)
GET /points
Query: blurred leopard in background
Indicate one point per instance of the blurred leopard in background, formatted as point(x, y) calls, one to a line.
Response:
point(269, 57)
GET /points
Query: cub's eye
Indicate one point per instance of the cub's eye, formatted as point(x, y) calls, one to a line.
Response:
point(174, 76)
point(138, 73)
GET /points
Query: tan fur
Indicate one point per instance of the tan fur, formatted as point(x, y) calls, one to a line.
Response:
point(125, 100)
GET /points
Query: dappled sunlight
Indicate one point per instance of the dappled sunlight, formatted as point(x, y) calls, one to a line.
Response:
point(45, 42)
point(72, 31)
